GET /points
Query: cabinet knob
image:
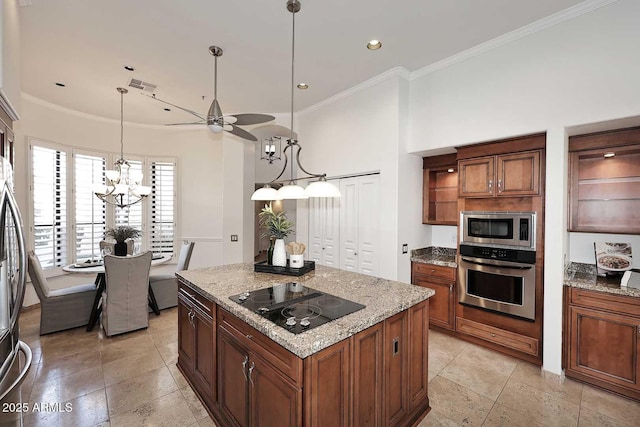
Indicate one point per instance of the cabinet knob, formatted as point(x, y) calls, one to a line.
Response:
point(450, 288)
point(249, 336)
point(493, 335)
point(499, 186)
point(490, 184)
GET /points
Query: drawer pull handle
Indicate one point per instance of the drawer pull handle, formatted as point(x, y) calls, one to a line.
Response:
point(244, 367)
point(251, 368)
point(396, 345)
point(490, 185)
point(450, 288)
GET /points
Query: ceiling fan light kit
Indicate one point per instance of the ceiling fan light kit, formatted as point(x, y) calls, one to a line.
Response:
point(291, 190)
point(122, 181)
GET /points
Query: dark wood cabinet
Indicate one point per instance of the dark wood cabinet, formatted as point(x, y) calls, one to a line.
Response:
point(602, 340)
point(196, 345)
point(442, 280)
point(604, 182)
point(396, 345)
point(368, 375)
point(506, 175)
point(440, 190)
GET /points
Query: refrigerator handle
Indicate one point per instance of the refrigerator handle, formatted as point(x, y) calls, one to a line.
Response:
point(22, 257)
point(25, 369)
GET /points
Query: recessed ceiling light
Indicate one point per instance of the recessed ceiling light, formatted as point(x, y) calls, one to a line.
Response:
point(374, 45)
point(129, 68)
point(450, 170)
point(303, 86)
point(60, 84)
point(167, 109)
point(610, 154)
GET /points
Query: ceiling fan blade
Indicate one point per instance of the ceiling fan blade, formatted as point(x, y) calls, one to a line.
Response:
point(198, 115)
point(251, 118)
point(189, 123)
point(241, 133)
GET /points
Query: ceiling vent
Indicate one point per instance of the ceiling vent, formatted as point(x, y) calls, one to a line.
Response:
point(143, 86)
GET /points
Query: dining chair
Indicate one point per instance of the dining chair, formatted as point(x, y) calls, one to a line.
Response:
point(124, 300)
point(165, 286)
point(60, 309)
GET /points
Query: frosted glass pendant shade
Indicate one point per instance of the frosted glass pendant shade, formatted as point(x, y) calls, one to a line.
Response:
point(215, 128)
point(322, 189)
point(292, 192)
point(266, 193)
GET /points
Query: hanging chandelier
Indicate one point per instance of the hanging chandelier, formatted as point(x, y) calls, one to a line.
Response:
point(123, 186)
point(291, 190)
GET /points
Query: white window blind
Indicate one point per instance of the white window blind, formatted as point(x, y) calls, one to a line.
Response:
point(162, 207)
point(49, 192)
point(90, 212)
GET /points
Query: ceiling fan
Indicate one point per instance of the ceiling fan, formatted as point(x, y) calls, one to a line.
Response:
point(215, 120)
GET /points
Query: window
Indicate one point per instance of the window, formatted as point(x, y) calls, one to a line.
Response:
point(69, 221)
point(49, 190)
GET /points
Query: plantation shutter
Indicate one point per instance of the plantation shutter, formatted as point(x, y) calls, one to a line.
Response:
point(90, 212)
point(162, 207)
point(131, 215)
point(49, 192)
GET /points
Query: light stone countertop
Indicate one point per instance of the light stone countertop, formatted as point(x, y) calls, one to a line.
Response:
point(445, 257)
point(583, 276)
point(382, 298)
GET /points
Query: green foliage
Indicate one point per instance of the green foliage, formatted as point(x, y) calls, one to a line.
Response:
point(275, 224)
point(122, 233)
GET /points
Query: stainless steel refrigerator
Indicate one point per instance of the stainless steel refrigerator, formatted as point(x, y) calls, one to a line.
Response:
point(15, 355)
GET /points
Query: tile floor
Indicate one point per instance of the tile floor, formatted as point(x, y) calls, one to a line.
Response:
point(132, 380)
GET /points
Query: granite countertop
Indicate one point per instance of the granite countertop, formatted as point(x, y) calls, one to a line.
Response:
point(445, 257)
point(584, 276)
point(382, 298)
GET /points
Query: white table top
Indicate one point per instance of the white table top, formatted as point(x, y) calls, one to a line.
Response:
point(99, 268)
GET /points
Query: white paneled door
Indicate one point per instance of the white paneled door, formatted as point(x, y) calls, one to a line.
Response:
point(324, 231)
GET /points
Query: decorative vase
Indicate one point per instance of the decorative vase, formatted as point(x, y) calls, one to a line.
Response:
point(120, 249)
point(279, 254)
point(296, 261)
point(270, 252)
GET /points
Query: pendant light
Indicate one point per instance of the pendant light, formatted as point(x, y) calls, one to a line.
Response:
point(291, 190)
point(123, 186)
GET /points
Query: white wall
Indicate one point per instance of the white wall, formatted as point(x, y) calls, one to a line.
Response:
point(444, 236)
point(10, 79)
point(581, 71)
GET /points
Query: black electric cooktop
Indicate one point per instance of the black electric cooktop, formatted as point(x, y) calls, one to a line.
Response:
point(295, 307)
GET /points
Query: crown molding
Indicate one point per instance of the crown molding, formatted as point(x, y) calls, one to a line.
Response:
point(8, 107)
point(394, 72)
point(542, 24)
point(55, 107)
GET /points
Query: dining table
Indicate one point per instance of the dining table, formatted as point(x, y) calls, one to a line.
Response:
point(97, 268)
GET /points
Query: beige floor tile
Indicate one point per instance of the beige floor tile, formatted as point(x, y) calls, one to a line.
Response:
point(436, 419)
point(131, 367)
point(87, 410)
point(177, 375)
point(611, 405)
point(169, 352)
point(530, 374)
point(167, 411)
point(122, 347)
point(447, 343)
point(589, 418)
point(501, 415)
point(127, 395)
point(68, 387)
point(481, 370)
point(457, 403)
point(50, 368)
point(65, 343)
point(194, 403)
point(165, 337)
point(206, 422)
point(539, 406)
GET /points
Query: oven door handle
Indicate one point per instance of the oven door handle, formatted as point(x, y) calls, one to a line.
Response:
point(496, 263)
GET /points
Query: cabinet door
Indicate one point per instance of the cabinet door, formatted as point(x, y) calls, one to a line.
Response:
point(324, 231)
point(233, 390)
point(518, 174)
point(418, 377)
point(349, 225)
point(186, 336)
point(203, 364)
point(476, 177)
point(442, 304)
point(368, 224)
point(605, 346)
point(395, 350)
point(367, 376)
point(275, 402)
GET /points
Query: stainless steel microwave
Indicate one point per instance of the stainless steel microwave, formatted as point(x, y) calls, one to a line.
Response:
point(516, 229)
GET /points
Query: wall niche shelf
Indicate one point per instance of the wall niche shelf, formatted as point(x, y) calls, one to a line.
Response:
point(440, 190)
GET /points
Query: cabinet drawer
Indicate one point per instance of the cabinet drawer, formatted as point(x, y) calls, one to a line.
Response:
point(283, 360)
point(434, 270)
point(499, 336)
point(198, 300)
point(606, 301)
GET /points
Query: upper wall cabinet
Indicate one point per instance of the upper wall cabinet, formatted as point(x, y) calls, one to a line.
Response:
point(440, 190)
point(604, 179)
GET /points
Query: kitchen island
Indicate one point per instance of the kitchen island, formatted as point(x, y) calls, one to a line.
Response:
point(366, 368)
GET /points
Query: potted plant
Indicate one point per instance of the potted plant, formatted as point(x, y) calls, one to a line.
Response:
point(120, 234)
point(276, 226)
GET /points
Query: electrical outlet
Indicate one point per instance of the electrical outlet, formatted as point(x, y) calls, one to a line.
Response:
point(234, 237)
point(405, 248)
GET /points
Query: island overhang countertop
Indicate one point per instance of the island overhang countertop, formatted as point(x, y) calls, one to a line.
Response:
point(382, 299)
